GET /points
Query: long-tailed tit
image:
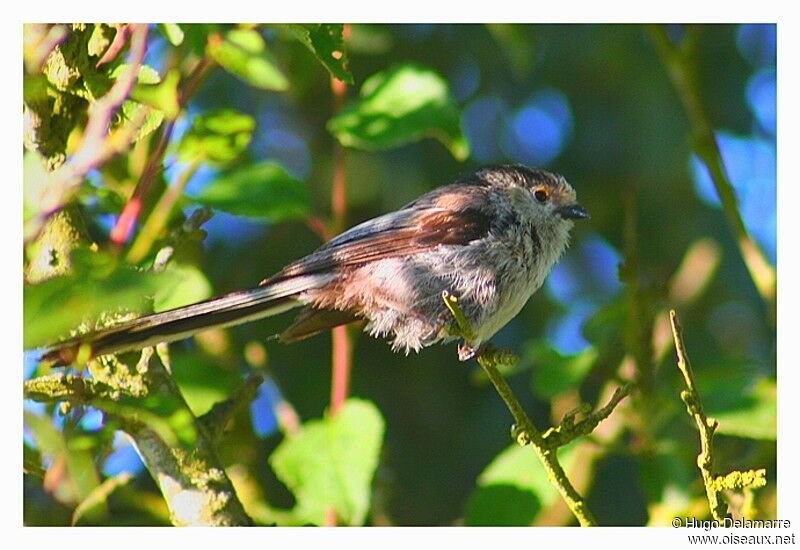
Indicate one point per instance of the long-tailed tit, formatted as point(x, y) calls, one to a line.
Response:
point(490, 238)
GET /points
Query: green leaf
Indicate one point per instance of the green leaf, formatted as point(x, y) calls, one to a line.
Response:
point(554, 373)
point(97, 284)
point(34, 88)
point(152, 118)
point(326, 42)
point(261, 190)
point(740, 398)
point(34, 184)
point(665, 479)
point(515, 42)
point(158, 98)
point(82, 478)
point(161, 95)
point(514, 487)
point(199, 378)
point(187, 285)
point(398, 106)
point(217, 136)
point(99, 497)
point(173, 32)
point(243, 53)
point(757, 417)
point(145, 75)
point(331, 463)
point(605, 327)
point(100, 40)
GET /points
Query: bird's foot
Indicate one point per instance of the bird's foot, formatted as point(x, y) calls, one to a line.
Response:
point(466, 352)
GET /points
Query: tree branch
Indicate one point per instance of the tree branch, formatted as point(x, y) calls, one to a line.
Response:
point(524, 431)
point(221, 413)
point(714, 484)
point(97, 146)
point(191, 477)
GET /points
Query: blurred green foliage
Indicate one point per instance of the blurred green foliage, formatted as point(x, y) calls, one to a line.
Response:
point(259, 190)
point(399, 105)
point(425, 441)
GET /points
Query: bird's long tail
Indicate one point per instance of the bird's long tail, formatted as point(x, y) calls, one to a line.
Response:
point(176, 324)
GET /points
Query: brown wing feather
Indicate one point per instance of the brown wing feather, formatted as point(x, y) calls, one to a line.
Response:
point(423, 230)
point(311, 321)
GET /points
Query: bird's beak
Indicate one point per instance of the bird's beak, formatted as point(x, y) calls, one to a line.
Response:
point(572, 212)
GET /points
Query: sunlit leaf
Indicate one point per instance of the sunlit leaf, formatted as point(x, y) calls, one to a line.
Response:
point(200, 380)
point(34, 184)
point(326, 42)
point(145, 74)
point(34, 88)
point(150, 100)
point(152, 118)
point(398, 106)
point(243, 53)
point(99, 40)
point(261, 190)
point(331, 462)
point(173, 32)
point(186, 286)
point(218, 136)
point(161, 95)
point(514, 487)
point(554, 373)
point(97, 283)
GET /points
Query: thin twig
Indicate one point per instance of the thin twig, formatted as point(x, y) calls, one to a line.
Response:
point(568, 431)
point(525, 431)
point(319, 228)
point(99, 495)
point(158, 219)
point(714, 484)
point(217, 418)
point(46, 38)
point(706, 426)
point(77, 390)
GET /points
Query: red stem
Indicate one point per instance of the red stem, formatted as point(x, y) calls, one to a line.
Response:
point(127, 218)
point(340, 375)
point(116, 45)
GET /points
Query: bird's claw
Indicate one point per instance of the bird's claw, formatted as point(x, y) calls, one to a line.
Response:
point(466, 352)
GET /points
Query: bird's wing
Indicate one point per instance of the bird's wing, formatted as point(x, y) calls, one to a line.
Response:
point(450, 216)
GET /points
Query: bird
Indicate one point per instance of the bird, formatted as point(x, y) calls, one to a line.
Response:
point(490, 238)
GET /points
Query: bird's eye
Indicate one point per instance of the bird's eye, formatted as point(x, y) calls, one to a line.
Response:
point(540, 195)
